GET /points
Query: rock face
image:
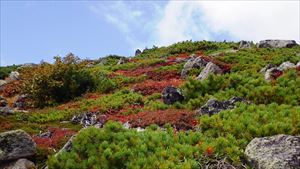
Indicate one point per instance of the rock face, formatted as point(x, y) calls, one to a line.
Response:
point(268, 66)
point(137, 52)
point(19, 164)
point(210, 68)
point(244, 44)
point(275, 152)
point(193, 62)
point(214, 106)
point(16, 144)
point(171, 95)
point(276, 43)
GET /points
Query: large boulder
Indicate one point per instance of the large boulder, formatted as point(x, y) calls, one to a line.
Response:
point(276, 43)
point(16, 144)
point(286, 65)
point(244, 44)
point(275, 152)
point(267, 67)
point(18, 164)
point(210, 68)
point(171, 95)
point(214, 106)
point(193, 62)
point(122, 61)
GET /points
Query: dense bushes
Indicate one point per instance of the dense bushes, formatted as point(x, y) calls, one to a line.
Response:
point(116, 147)
point(48, 84)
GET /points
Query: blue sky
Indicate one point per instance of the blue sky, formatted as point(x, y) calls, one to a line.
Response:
point(32, 31)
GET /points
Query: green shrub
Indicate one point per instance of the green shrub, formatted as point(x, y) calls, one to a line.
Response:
point(48, 84)
point(116, 147)
point(5, 71)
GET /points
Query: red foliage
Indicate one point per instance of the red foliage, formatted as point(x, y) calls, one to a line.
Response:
point(149, 87)
point(92, 96)
point(276, 73)
point(179, 119)
point(158, 75)
point(174, 59)
point(209, 151)
point(69, 106)
point(11, 89)
point(58, 135)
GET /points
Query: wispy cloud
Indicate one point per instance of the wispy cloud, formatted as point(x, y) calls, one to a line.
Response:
point(147, 23)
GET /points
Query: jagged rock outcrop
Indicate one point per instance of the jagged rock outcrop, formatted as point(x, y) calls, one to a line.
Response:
point(18, 164)
point(272, 74)
point(13, 76)
point(193, 62)
point(267, 67)
point(276, 43)
point(214, 106)
point(89, 119)
point(171, 95)
point(20, 102)
point(137, 52)
point(16, 144)
point(210, 68)
point(275, 152)
point(244, 44)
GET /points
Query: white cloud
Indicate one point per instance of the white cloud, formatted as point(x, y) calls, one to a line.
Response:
point(248, 20)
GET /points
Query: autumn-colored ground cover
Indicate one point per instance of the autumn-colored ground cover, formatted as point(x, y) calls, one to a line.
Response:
point(11, 89)
point(149, 87)
point(58, 135)
point(179, 119)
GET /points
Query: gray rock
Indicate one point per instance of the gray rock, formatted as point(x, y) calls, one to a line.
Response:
point(275, 43)
point(267, 67)
point(171, 95)
point(13, 76)
point(137, 52)
point(210, 68)
point(20, 102)
point(193, 62)
point(286, 65)
point(244, 44)
point(298, 64)
point(214, 106)
point(122, 61)
point(272, 74)
point(275, 152)
point(2, 83)
point(6, 111)
point(19, 164)
point(16, 144)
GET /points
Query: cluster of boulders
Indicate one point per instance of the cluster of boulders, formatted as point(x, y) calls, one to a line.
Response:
point(214, 106)
point(275, 152)
point(87, 119)
point(271, 72)
point(16, 147)
point(276, 43)
point(20, 104)
point(199, 62)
